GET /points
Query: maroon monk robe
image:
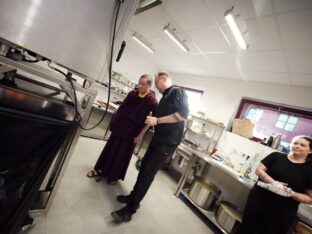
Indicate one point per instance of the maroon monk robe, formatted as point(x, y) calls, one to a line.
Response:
point(125, 125)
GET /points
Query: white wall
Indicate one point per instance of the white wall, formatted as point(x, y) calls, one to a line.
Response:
point(222, 96)
point(132, 66)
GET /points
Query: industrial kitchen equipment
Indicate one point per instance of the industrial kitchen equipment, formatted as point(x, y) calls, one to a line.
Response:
point(51, 55)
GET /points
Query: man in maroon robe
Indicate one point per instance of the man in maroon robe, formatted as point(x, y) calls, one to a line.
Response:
point(127, 129)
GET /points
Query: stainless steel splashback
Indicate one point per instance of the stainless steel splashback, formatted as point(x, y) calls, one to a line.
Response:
point(74, 33)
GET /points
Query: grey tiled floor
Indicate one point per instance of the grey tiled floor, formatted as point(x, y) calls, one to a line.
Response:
point(84, 206)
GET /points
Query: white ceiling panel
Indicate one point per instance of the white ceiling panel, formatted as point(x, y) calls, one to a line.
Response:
point(271, 77)
point(189, 14)
point(296, 29)
point(301, 79)
point(198, 60)
point(142, 27)
point(227, 61)
point(300, 61)
point(235, 74)
point(162, 45)
point(263, 34)
point(155, 19)
point(251, 9)
point(217, 8)
point(279, 34)
point(210, 39)
point(202, 71)
point(291, 5)
point(270, 61)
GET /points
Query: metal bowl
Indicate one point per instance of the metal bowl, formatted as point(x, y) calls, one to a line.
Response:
point(228, 217)
point(204, 194)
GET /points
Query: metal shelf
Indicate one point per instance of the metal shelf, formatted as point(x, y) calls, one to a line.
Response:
point(208, 120)
point(121, 94)
point(213, 162)
point(114, 79)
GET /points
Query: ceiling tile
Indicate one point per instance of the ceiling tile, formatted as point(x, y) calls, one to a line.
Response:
point(270, 61)
point(250, 9)
point(134, 46)
point(217, 8)
point(299, 61)
point(296, 29)
point(279, 43)
point(235, 74)
point(204, 71)
point(198, 60)
point(151, 22)
point(291, 5)
point(270, 77)
point(140, 26)
point(263, 34)
point(188, 14)
point(191, 70)
point(163, 45)
point(226, 61)
point(301, 79)
point(209, 40)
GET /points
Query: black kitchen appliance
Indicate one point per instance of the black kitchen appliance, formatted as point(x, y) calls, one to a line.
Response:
point(33, 127)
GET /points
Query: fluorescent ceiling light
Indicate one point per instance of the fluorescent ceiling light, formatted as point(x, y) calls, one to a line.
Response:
point(230, 19)
point(139, 39)
point(170, 32)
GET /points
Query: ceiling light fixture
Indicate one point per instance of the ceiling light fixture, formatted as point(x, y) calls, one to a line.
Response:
point(171, 33)
point(230, 19)
point(139, 39)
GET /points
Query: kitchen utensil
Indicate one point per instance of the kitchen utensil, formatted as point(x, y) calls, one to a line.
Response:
point(228, 217)
point(204, 194)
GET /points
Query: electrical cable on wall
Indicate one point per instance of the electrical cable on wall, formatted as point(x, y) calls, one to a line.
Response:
point(110, 68)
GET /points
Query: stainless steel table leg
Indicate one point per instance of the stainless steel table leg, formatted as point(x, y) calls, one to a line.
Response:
point(185, 174)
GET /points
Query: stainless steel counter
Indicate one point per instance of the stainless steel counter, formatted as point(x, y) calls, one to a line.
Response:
point(304, 212)
point(101, 132)
point(96, 114)
point(245, 181)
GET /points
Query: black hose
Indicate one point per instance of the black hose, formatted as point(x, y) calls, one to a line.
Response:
point(68, 77)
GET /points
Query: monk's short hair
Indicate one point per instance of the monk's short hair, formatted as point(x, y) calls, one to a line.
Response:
point(162, 73)
point(148, 78)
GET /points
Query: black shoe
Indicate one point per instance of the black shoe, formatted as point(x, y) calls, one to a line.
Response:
point(123, 199)
point(122, 215)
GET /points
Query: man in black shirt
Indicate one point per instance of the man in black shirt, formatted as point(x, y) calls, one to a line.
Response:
point(169, 125)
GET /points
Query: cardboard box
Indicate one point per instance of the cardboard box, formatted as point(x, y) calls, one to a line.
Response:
point(243, 127)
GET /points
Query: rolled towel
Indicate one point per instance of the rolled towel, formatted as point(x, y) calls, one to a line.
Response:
point(276, 187)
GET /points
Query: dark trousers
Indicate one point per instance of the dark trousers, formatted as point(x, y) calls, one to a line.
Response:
point(154, 157)
point(267, 213)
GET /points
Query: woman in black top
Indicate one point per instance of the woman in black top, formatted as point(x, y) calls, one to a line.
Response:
point(268, 212)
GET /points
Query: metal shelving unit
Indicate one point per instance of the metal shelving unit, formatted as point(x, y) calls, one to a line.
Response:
point(202, 134)
point(199, 141)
